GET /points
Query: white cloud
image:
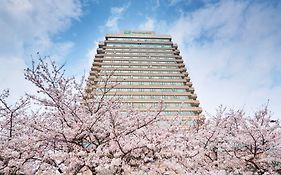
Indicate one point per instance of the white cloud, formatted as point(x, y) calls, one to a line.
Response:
point(174, 2)
point(93, 51)
point(12, 77)
point(230, 49)
point(28, 26)
point(112, 22)
point(148, 25)
point(87, 60)
point(36, 21)
point(117, 10)
point(116, 14)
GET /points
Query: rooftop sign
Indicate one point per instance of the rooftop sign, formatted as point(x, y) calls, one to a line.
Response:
point(138, 33)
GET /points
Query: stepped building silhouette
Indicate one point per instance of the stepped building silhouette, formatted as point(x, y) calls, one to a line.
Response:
point(143, 69)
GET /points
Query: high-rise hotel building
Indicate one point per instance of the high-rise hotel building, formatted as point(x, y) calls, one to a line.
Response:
point(144, 69)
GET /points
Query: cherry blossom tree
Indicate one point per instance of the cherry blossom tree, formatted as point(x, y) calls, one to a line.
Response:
point(233, 143)
point(12, 129)
point(66, 132)
point(62, 129)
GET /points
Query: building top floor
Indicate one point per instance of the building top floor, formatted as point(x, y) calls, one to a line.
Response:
point(138, 34)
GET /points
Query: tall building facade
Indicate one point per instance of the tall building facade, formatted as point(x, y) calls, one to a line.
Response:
point(143, 69)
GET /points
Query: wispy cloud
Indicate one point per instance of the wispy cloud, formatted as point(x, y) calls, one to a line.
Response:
point(148, 25)
point(28, 27)
point(230, 49)
point(174, 2)
point(116, 14)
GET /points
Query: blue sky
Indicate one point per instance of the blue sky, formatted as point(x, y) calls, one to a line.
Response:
point(232, 49)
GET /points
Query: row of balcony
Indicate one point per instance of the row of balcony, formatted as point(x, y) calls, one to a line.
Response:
point(103, 44)
point(129, 59)
point(139, 47)
point(98, 68)
point(137, 64)
point(134, 50)
point(192, 101)
point(187, 109)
